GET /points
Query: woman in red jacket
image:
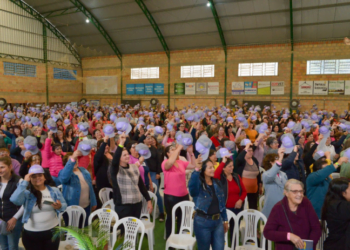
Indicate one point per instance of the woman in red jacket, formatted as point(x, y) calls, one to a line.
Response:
point(218, 136)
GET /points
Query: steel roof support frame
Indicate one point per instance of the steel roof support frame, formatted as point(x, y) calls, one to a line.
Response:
point(61, 12)
point(46, 66)
point(223, 42)
point(292, 48)
point(104, 33)
point(49, 26)
point(160, 36)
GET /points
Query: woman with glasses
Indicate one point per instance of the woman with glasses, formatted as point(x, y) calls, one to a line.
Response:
point(293, 220)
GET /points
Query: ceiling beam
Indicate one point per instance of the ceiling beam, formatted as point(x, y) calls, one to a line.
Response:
point(218, 24)
point(291, 24)
point(97, 24)
point(61, 12)
point(150, 18)
point(48, 25)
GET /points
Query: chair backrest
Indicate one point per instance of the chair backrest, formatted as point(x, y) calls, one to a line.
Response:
point(74, 214)
point(161, 185)
point(261, 202)
point(60, 187)
point(262, 170)
point(132, 226)
point(246, 205)
point(187, 209)
point(154, 187)
point(109, 204)
point(324, 235)
point(104, 194)
point(235, 233)
point(105, 217)
point(144, 211)
point(252, 218)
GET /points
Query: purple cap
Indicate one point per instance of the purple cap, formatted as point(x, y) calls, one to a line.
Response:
point(108, 130)
point(158, 130)
point(66, 122)
point(98, 115)
point(230, 145)
point(83, 127)
point(314, 117)
point(203, 146)
point(318, 155)
point(113, 116)
point(36, 169)
point(253, 118)
point(324, 130)
point(244, 142)
point(30, 143)
point(51, 125)
point(123, 125)
point(229, 119)
point(291, 124)
point(143, 150)
point(170, 126)
point(347, 153)
point(186, 140)
point(223, 152)
point(287, 143)
point(85, 147)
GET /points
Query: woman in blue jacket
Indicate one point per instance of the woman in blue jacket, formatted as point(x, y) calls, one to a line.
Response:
point(318, 181)
point(42, 203)
point(210, 221)
point(77, 184)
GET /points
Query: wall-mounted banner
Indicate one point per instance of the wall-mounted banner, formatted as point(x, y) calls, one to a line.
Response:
point(158, 89)
point(264, 88)
point(347, 87)
point(250, 88)
point(190, 88)
point(130, 89)
point(179, 88)
point(237, 88)
point(277, 88)
point(213, 88)
point(148, 88)
point(336, 87)
point(201, 88)
point(320, 87)
point(139, 89)
point(306, 87)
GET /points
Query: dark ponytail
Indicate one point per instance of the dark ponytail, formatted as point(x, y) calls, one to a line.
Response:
point(37, 193)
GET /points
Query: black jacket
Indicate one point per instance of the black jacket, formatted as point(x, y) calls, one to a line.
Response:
point(8, 209)
point(153, 162)
point(101, 164)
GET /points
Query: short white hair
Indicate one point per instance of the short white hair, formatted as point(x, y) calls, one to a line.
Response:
point(291, 182)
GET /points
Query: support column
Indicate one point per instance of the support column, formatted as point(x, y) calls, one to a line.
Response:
point(46, 66)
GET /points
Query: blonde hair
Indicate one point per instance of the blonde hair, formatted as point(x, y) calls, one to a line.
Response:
point(18, 139)
point(291, 182)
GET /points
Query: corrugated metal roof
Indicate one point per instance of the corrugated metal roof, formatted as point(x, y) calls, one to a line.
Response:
point(189, 24)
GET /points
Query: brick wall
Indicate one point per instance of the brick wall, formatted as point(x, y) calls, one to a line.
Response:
point(110, 65)
point(18, 89)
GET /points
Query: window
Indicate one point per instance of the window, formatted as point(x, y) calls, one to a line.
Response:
point(145, 73)
point(197, 71)
point(18, 69)
point(64, 74)
point(325, 67)
point(258, 69)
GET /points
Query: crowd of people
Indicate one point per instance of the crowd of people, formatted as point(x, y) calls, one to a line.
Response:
point(299, 161)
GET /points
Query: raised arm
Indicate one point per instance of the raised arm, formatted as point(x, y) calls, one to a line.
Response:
point(170, 162)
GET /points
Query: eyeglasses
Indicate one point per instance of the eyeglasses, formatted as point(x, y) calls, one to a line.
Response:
point(296, 191)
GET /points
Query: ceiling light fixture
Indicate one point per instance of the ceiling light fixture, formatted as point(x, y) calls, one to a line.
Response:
point(87, 20)
point(208, 4)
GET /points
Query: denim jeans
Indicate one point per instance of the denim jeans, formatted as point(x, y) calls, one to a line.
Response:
point(209, 232)
point(159, 198)
point(10, 242)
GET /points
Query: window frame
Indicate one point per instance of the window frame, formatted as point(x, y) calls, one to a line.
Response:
point(28, 70)
point(140, 73)
point(324, 70)
point(259, 66)
point(61, 72)
point(197, 71)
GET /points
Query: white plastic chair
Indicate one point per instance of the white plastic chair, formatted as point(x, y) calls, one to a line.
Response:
point(185, 239)
point(261, 202)
point(60, 187)
point(262, 170)
point(232, 216)
point(104, 194)
point(154, 188)
point(246, 205)
point(105, 217)
point(132, 226)
point(324, 235)
point(249, 230)
point(109, 204)
point(161, 185)
point(74, 214)
point(146, 219)
point(335, 175)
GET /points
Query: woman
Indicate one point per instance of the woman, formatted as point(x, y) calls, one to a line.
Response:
point(318, 181)
point(271, 146)
point(10, 213)
point(273, 180)
point(53, 157)
point(293, 219)
point(335, 212)
point(345, 168)
point(17, 151)
point(42, 204)
point(169, 138)
point(77, 184)
point(251, 132)
point(232, 185)
point(309, 137)
point(128, 187)
point(210, 221)
point(247, 166)
point(69, 134)
point(213, 158)
point(175, 188)
point(219, 134)
point(60, 139)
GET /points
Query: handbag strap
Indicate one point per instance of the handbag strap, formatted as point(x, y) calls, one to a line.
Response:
point(285, 213)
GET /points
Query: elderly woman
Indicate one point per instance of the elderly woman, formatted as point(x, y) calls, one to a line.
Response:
point(17, 151)
point(335, 212)
point(128, 187)
point(293, 220)
point(274, 180)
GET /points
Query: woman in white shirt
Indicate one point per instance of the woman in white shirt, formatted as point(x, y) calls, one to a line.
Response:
point(42, 203)
point(9, 213)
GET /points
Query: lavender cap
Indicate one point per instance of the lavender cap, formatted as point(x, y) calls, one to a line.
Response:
point(30, 143)
point(36, 169)
point(66, 122)
point(143, 150)
point(223, 152)
point(230, 145)
point(203, 145)
point(108, 130)
point(318, 155)
point(51, 125)
point(244, 142)
point(85, 147)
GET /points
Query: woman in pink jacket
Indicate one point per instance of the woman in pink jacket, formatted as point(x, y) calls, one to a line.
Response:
point(53, 157)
